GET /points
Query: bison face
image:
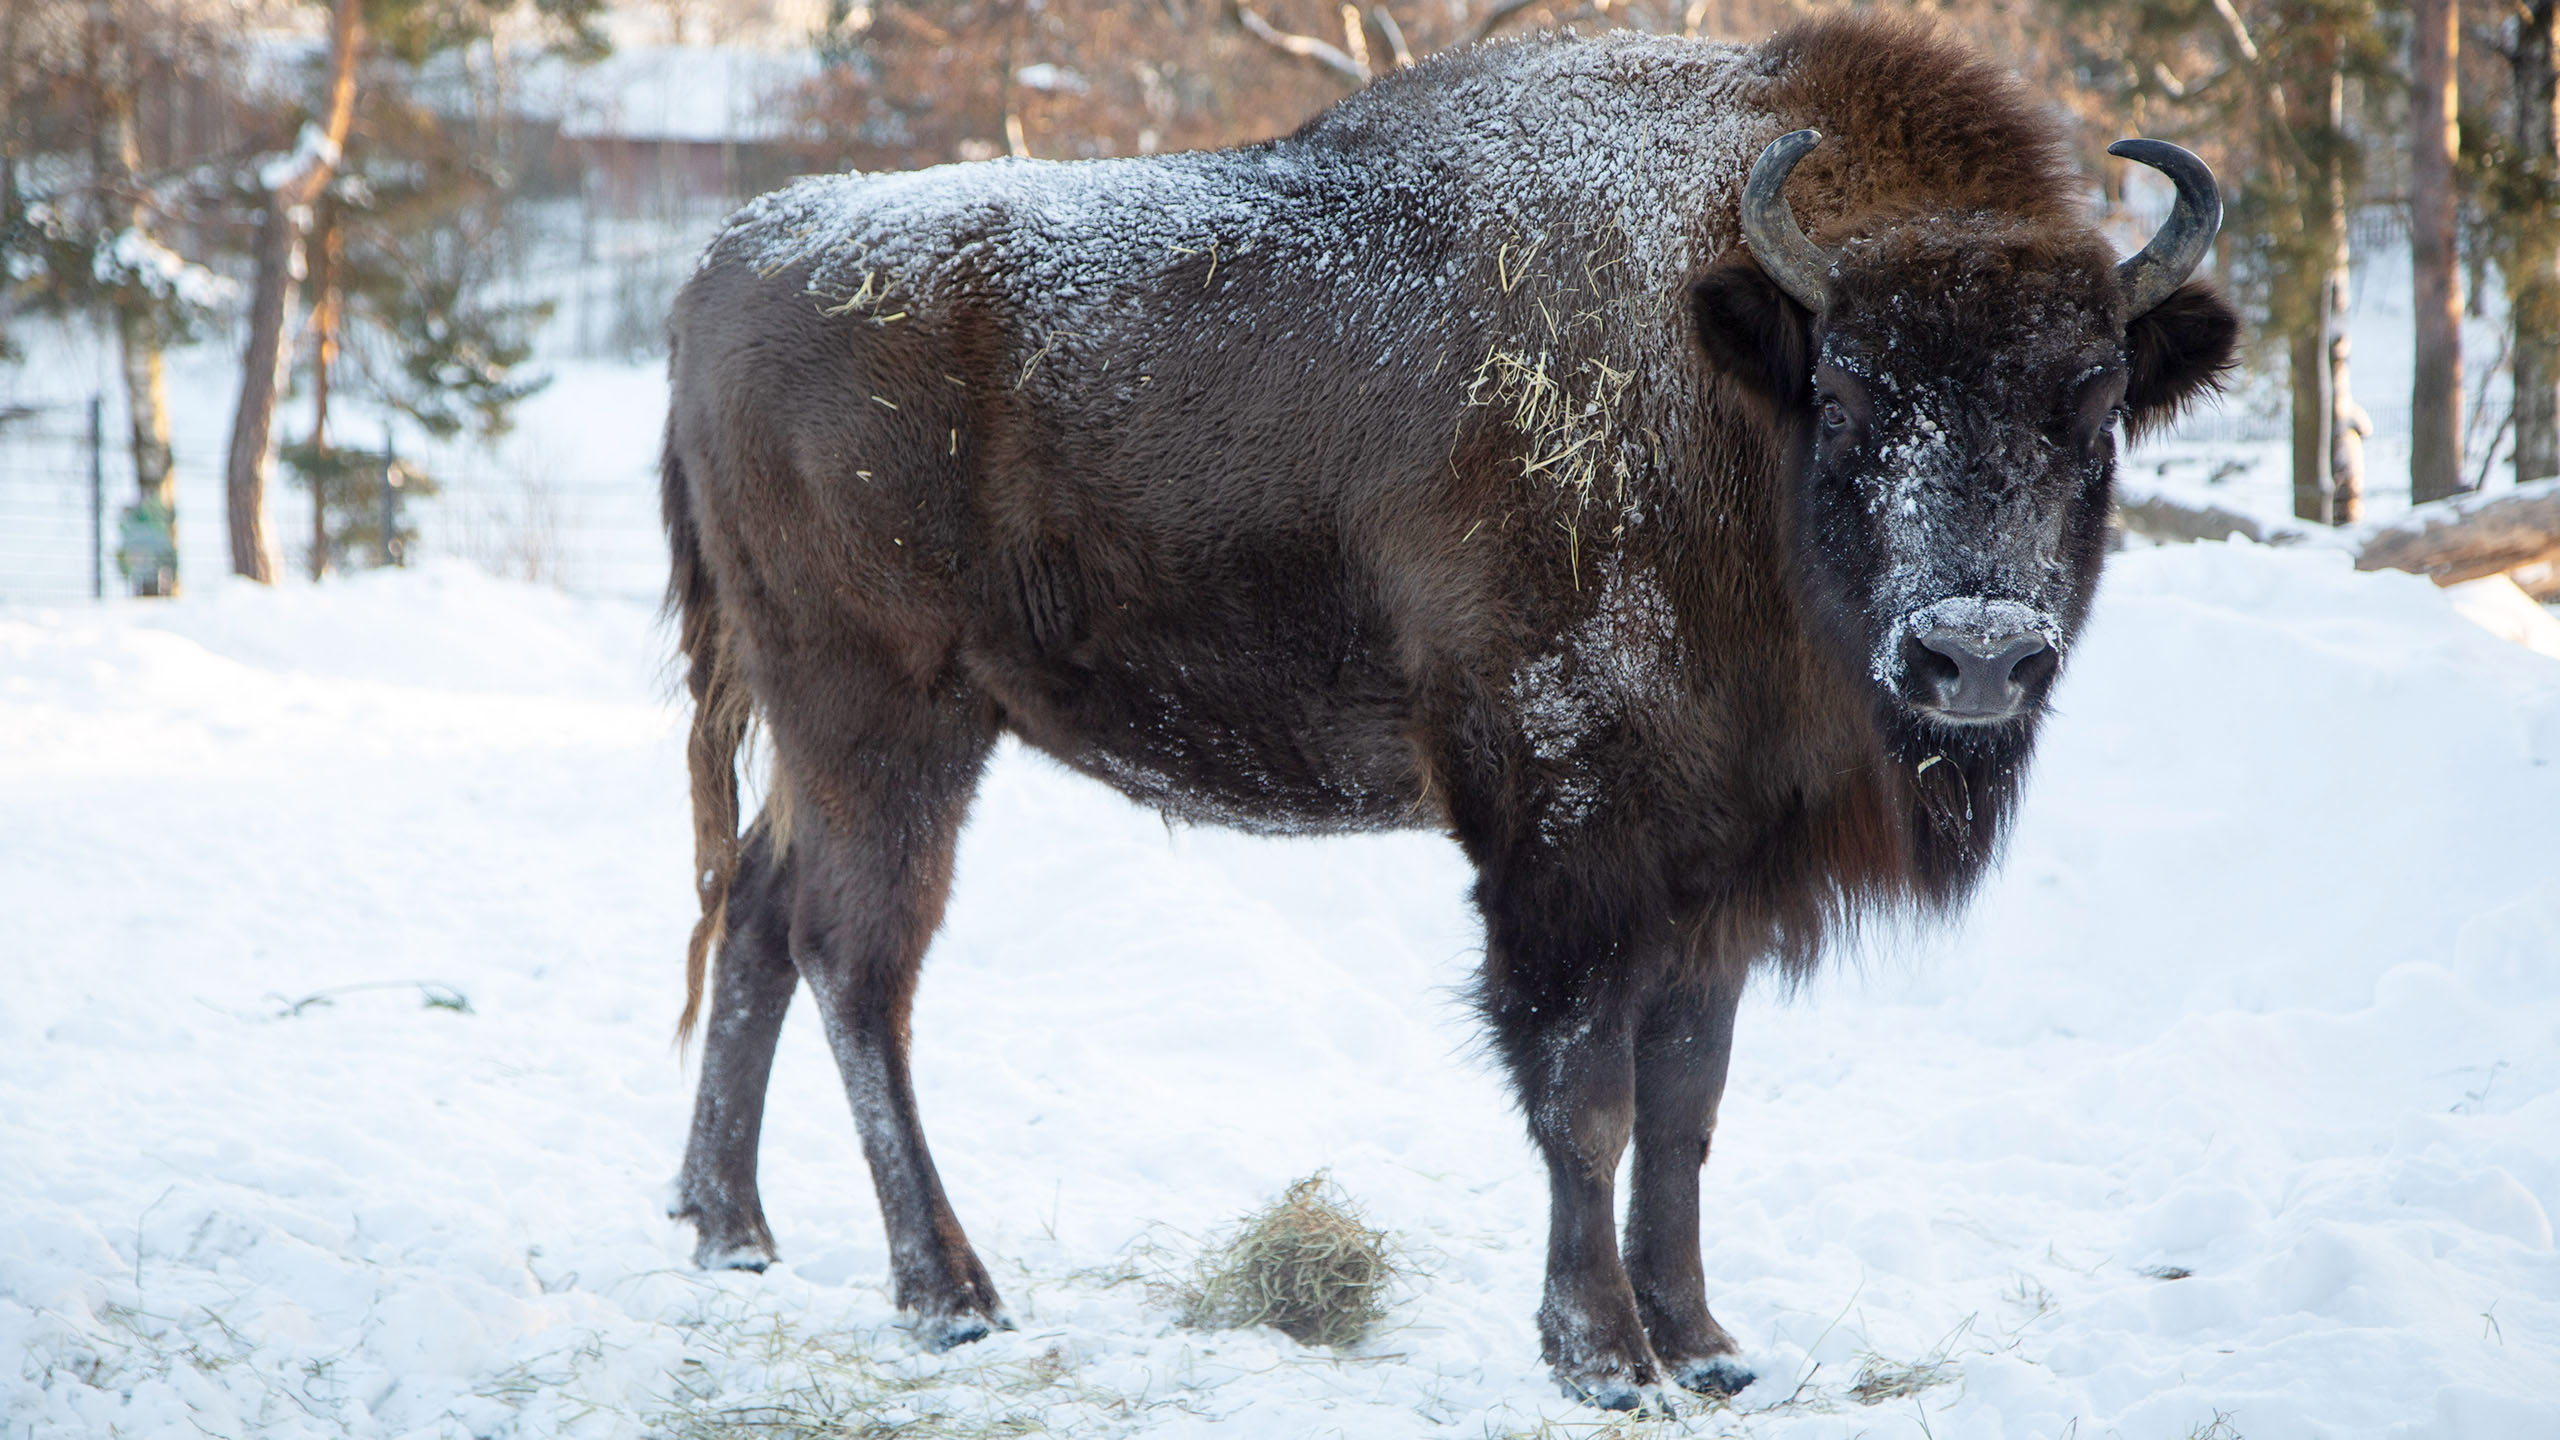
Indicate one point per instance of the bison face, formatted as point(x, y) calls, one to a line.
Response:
point(1956, 444)
point(1949, 390)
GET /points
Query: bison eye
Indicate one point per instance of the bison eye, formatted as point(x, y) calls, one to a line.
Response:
point(1835, 416)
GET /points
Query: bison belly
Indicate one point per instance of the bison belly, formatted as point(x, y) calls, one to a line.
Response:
point(1241, 692)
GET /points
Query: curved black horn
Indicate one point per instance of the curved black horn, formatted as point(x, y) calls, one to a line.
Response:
point(2173, 254)
point(1769, 226)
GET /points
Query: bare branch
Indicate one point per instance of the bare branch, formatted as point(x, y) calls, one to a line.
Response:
point(2239, 29)
point(2178, 89)
point(1305, 47)
point(1388, 27)
point(2271, 92)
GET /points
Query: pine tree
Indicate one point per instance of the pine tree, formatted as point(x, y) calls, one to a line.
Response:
point(293, 185)
point(405, 250)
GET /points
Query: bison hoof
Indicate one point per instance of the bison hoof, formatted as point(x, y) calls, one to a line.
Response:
point(1613, 1392)
point(1713, 1375)
point(750, 1256)
point(938, 1333)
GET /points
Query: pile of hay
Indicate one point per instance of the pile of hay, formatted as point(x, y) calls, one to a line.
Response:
point(1880, 1379)
point(1307, 1266)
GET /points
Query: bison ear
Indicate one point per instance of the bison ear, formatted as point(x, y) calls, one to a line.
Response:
point(1754, 332)
point(2178, 352)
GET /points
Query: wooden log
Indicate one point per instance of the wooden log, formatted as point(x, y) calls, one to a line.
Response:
point(2469, 536)
point(2170, 522)
point(2541, 580)
point(2515, 532)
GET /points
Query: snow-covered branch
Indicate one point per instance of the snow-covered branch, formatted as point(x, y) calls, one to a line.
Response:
point(313, 152)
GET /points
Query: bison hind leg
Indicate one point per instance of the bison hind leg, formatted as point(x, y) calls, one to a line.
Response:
point(1718, 1375)
point(938, 1333)
point(879, 793)
point(751, 990)
point(1617, 1393)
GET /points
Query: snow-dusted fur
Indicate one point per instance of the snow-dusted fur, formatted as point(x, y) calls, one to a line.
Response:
point(1496, 223)
point(1447, 463)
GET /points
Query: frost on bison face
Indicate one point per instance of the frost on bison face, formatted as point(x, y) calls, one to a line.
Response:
point(1951, 387)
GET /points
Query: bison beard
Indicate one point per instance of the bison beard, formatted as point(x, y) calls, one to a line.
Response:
point(1454, 462)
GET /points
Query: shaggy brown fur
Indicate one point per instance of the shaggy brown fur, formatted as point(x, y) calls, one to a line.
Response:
point(1446, 464)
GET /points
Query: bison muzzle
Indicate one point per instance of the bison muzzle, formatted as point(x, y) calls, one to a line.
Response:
point(1557, 444)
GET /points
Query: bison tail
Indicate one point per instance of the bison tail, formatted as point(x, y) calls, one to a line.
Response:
point(722, 708)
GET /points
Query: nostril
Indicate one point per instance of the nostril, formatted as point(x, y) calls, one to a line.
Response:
point(2035, 667)
point(1982, 675)
point(1929, 670)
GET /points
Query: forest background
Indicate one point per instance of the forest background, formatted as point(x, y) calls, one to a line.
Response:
point(370, 213)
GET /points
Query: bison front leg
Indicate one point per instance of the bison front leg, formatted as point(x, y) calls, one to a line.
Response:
point(750, 990)
point(1570, 1053)
point(1681, 1049)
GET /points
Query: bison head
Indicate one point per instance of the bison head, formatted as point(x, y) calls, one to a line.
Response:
point(1948, 388)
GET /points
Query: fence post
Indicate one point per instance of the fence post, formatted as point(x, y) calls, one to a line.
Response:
point(390, 502)
point(97, 497)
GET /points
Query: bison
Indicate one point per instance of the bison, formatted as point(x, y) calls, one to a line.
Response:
point(1552, 444)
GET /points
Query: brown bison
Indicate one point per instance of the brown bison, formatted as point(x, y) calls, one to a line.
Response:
point(1495, 455)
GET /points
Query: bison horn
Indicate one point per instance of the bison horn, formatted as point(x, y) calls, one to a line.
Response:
point(1769, 226)
point(2173, 254)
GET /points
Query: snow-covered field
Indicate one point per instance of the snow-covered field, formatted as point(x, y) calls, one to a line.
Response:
point(2267, 999)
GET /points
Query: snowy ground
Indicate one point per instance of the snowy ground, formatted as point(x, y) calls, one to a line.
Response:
point(2267, 998)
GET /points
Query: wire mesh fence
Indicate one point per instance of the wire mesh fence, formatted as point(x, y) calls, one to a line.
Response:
point(2233, 426)
point(53, 459)
point(543, 513)
point(585, 533)
point(546, 514)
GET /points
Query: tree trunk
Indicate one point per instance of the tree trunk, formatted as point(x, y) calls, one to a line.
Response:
point(2348, 427)
point(2435, 402)
point(261, 375)
point(116, 157)
point(12, 18)
point(2309, 299)
point(325, 305)
point(2346, 423)
point(2306, 354)
point(294, 184)
point(146, 391)
point(2533, 282)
